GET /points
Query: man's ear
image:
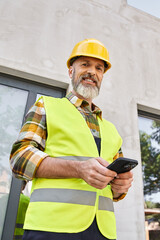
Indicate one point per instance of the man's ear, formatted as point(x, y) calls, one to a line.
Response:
point(70, 71)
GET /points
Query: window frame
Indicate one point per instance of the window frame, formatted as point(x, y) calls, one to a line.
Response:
point(149, 114)
point(33, 89)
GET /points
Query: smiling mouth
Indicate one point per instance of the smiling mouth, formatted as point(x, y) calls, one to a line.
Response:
point(89, 80)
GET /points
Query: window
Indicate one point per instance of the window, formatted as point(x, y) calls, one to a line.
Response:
point(12, 102)
point(16, 97)
point(149, 130)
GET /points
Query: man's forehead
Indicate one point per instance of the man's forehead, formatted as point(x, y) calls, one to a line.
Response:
point(91, 59)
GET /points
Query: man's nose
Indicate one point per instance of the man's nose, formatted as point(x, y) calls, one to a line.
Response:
point(91, 70)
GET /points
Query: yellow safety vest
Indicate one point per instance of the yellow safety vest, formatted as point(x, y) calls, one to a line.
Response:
point(70, 205)
point(23, 204)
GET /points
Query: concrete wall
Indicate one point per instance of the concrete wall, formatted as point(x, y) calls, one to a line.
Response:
point(36, 38)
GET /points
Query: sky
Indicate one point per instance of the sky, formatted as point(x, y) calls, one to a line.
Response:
point(150, 6)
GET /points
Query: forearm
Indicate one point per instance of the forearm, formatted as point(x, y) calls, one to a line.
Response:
point(58, 168)
point(93, 171)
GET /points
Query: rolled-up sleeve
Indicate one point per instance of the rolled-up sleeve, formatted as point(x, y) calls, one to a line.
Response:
point(28, 151)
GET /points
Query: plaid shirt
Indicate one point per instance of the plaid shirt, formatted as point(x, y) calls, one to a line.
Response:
point(27, 152)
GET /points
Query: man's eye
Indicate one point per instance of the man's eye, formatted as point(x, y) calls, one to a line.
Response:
point(84, 64)
point(99, 68)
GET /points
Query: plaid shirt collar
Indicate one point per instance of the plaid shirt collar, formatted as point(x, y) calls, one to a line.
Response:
point(77, 102)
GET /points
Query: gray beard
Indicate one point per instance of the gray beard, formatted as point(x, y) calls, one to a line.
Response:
point(88, 92)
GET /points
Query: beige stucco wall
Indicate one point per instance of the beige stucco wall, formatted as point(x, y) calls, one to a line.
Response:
point(36, 38)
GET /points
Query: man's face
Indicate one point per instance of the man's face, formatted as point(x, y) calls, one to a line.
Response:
point(87, 74)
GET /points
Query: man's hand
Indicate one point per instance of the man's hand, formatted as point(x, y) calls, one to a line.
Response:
point(121, 183)
point(95, 173)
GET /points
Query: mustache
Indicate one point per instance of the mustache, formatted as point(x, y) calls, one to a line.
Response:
point(89, 76)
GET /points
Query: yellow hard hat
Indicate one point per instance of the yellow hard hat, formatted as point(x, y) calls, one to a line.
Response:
point(90, 48)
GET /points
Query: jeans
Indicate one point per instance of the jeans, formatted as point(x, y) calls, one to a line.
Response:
point(91, 233)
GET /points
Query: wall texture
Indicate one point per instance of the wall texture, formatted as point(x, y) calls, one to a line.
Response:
point(36, 38)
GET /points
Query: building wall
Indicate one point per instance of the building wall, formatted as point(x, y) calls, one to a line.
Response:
point(36, 38)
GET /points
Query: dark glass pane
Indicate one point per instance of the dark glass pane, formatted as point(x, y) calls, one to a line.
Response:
point(150, 154)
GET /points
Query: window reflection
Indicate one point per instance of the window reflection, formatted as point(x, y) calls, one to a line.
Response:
point(150, 154)
point(12, 106)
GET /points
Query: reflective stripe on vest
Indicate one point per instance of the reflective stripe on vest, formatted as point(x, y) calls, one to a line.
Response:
point(63, 196)
point(71, 196)
point(105, 204)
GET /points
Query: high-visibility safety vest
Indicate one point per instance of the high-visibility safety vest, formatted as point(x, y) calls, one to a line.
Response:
point(70, 205)
point(23, 204)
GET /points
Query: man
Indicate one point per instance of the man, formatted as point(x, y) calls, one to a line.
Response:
point(65, 146)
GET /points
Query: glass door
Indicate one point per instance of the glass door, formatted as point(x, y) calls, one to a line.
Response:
point(12, 108)
point(16, 97)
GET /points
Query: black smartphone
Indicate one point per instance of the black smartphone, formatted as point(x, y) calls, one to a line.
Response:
point(121, 165)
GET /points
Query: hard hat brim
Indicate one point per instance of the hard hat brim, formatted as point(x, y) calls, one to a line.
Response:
point(107, 63)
